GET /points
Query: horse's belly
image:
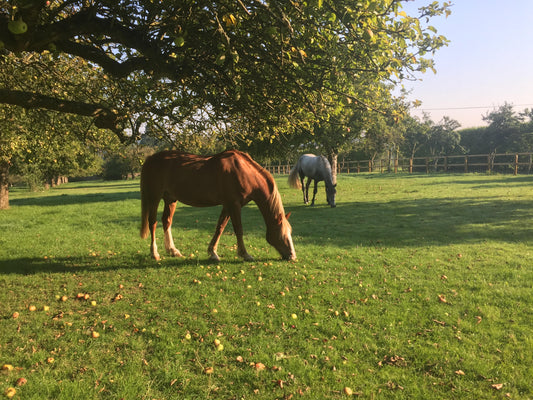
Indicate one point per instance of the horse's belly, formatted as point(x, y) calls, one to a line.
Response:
point(199, 203)
point(203, 199)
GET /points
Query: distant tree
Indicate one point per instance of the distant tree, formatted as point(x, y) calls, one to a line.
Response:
point(474, 140)
point(443, 137)
point(504, 130)
point(381, 137)
point(415, 135)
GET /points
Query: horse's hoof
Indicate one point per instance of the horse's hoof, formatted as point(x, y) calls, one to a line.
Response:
point(175, 253)
point(214, 258)
point(248, 257)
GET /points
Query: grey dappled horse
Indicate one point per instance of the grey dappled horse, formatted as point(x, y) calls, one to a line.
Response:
point(315, 168)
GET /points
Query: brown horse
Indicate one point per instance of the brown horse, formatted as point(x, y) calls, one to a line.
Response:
point(230, 178)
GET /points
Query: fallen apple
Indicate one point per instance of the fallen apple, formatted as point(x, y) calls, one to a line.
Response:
point(259, 366)
point(10, 392)
point(7, 368)
point(21, 381)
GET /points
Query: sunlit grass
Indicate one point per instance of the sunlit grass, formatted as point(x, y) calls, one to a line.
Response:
point(413, 287)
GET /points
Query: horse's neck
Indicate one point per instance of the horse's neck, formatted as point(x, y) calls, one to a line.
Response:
point(269, 204)
point(327, 173)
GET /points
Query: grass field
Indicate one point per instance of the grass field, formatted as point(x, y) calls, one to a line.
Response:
point(414, 287)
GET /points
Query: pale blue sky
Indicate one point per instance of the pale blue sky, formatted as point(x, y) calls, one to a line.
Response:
point(489, 61)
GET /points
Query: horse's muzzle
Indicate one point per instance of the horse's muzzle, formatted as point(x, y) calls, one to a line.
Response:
point(289, 257)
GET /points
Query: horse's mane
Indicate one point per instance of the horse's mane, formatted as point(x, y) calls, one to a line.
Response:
point(273, 200)
point(327, 166)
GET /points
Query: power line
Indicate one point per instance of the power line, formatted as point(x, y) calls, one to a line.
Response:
point(468, 107)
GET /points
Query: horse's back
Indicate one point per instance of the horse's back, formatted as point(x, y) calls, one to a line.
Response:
point(314, 167)
point(201, 180)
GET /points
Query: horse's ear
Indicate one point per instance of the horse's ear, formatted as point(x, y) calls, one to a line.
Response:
point(287, 215)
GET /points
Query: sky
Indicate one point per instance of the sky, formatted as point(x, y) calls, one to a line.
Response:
point(487, 63)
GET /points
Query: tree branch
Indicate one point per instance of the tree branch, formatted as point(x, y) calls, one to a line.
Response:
point(104, 118)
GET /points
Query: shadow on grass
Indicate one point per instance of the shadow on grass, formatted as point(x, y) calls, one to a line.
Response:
point(484, 181)
point(422, 222)
point(67, 199)
point(76, 265)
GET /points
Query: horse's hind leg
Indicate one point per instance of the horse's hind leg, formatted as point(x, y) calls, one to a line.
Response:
point(306, 199)
point(314, 193)
point(152, 224)
point(153, 245)
point(168, 214)
point(307, 192)
point(213, 245)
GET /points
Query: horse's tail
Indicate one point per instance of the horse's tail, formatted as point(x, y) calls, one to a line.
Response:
point(145, 228)
point(294, 182)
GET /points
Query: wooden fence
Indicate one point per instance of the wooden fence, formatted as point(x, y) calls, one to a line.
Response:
point(517, 163)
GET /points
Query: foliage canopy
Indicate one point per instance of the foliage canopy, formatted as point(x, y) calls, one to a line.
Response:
point(275, 64)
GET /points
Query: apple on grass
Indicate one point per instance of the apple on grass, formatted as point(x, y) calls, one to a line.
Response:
point(10, 392)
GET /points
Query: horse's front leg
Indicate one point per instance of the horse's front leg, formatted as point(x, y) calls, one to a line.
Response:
point(314, 193)
point(213, 245)
point(168, 214)
point(236, 221)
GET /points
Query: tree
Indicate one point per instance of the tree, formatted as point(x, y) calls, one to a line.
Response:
point(11, 143)
point(443, 137)
point(273, 63)
point(504, 130)
point(415, 135)
point(49, 144)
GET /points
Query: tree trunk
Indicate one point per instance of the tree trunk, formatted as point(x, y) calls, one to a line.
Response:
point(4, 185)
point(333, 159)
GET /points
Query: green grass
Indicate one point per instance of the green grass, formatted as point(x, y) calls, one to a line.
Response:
point(415, 287)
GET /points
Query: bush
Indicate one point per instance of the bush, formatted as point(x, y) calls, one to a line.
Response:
point(115, 168)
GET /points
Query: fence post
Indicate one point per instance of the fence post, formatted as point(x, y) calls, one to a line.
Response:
point(427, 165)
point(466, 164)
point(411, 165)
point(516, 164)
point(369, 165)
point(396, 165)
point(445, 163)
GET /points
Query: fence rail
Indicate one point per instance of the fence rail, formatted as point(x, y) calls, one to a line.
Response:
point(515, 163)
